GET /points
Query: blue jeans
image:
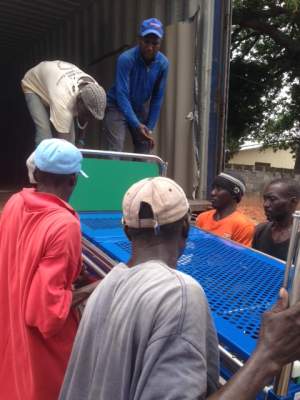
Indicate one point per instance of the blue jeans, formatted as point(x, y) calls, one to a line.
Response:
point(40, 116)
point(115, 128)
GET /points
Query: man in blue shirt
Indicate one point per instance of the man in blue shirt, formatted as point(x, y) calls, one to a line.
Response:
point(135, 99)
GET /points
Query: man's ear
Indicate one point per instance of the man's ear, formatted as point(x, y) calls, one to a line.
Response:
point(185, 228)
point(73, 180)
point(80, 104)
point(126, 230)
point(294, 201)
point(37, 175)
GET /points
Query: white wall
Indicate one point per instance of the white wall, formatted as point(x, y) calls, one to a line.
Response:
point(278, 159)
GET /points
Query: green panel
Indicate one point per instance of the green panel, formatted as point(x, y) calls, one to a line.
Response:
point(108, 180)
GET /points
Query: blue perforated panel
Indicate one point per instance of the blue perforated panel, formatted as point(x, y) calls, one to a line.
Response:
point(105, 223)
point(99, 227)
point(239, 283)
point(239, 288)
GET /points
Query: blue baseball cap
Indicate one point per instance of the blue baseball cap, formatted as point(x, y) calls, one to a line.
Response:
point(152, 25)
point(58, 156)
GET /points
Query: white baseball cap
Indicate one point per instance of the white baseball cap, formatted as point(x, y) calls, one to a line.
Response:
point(165, 197)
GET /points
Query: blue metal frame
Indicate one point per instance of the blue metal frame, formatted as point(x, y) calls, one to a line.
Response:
point(219, 88)
point(240, 283)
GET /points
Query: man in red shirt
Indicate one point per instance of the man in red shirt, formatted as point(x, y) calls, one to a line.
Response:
point(40, 258)
point(225, 220)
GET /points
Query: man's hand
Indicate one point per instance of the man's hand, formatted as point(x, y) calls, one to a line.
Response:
point(278, 345)
point(280, 333)
point(81, 294)
point(144, 131)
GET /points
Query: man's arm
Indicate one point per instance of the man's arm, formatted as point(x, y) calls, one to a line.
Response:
point(83, 293)
point(157, 98)
point(181, 359)
point(80, 135)
point(124, 66)
point(177, 371)
point(279, 344)
point(176, 367)
point(50, 294)
point(248, 382)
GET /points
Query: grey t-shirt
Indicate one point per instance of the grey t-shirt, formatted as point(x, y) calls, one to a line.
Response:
point(146, 333)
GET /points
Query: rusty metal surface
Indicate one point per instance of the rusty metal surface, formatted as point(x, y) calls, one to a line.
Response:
point(78, 30)
point(91, 34)
point(22, 23)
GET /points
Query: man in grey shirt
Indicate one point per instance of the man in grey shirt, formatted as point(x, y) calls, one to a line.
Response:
point(147, 332)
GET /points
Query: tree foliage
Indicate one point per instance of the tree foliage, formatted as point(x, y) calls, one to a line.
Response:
point(264, 98)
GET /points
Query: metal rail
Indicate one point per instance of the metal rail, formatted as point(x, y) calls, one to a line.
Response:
point(95, 259)
point(292, 284)
point(128, 156)
point(234, 363)
point(93, 266)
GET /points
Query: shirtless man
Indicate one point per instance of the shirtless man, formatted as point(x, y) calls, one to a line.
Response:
point(281, 198)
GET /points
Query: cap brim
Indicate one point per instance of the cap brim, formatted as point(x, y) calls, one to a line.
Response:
point(82, 173)
point(152, 31)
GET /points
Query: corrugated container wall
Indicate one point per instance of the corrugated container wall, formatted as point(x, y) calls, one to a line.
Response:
point(102, 27)
point(94, 36)
point(91, 34)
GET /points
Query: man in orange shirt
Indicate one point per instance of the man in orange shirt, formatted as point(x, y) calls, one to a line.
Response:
point(224, 220)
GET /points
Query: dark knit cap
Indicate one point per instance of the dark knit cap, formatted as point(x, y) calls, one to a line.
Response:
point(233, 183)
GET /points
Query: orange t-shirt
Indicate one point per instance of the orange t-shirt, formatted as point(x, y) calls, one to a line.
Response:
point(235, 226)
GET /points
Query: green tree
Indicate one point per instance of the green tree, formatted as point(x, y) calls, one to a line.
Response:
point(264, 98)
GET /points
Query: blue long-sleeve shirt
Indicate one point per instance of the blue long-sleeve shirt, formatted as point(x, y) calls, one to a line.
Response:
point(137, 83)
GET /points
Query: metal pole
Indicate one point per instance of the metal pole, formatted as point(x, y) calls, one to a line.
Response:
point(204, 74)
point(292, 284)
point(219, 88)
point(292, 249)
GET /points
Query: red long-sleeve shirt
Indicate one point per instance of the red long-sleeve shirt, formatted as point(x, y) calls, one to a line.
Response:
point(40, 257)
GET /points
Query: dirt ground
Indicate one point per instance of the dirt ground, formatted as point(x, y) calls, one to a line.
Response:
point(251, 205)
